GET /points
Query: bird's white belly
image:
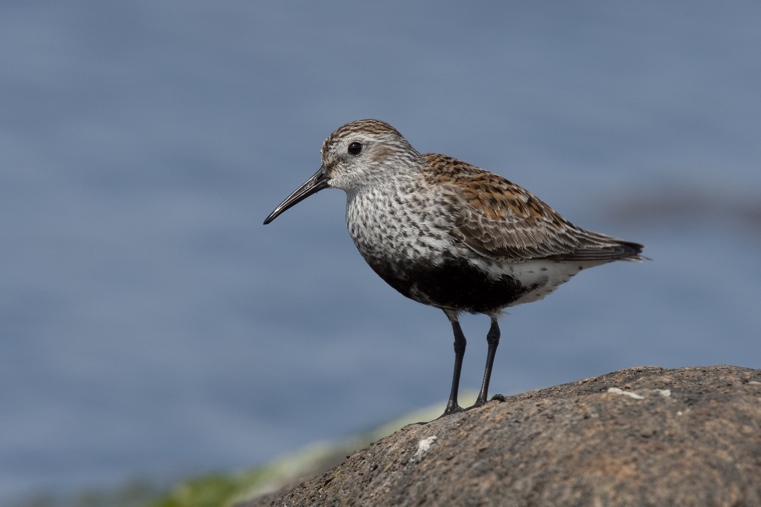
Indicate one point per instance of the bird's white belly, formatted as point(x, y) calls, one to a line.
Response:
point(544, 275)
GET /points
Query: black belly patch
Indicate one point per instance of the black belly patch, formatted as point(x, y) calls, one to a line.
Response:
point(453, 284)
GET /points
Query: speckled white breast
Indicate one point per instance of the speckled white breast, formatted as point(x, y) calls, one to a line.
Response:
point(398, 223)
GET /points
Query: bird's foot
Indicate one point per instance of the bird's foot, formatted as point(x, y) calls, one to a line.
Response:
point(482, 401)
point(452, 408)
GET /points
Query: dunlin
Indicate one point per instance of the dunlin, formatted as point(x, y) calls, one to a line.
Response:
point(451, 235)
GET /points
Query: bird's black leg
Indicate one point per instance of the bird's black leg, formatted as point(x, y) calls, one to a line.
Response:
point(492, 339)
point(459, 353)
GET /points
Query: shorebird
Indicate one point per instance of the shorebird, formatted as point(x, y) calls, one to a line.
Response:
point(449, 234)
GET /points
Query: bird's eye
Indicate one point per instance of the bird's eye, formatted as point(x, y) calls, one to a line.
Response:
point(355, 148)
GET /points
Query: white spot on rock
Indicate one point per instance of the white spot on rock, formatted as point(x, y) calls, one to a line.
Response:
point(635, 396)
point(423, 446)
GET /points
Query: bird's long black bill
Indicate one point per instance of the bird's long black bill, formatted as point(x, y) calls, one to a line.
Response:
point(317, 182)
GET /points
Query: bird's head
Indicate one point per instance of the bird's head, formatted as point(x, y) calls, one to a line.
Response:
point(359, 154)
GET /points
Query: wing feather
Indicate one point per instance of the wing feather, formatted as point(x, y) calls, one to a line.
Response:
point(499, 219)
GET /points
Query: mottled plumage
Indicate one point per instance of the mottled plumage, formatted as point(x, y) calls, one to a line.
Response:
point(449, 234)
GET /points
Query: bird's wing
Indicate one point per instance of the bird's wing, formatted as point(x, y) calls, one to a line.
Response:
point(499, 219)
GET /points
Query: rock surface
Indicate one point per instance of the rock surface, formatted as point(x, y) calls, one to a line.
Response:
point(642, 436)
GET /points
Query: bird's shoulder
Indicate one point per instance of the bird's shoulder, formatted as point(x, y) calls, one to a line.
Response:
point(485, 194)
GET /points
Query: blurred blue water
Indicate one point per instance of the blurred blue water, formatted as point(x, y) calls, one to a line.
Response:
point(151, 326)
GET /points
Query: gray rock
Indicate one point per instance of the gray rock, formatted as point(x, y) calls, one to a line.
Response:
point(639, 437)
